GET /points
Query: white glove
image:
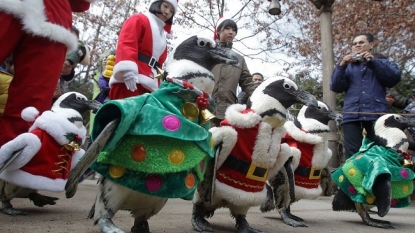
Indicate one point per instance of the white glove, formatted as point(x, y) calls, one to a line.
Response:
point(131, 80)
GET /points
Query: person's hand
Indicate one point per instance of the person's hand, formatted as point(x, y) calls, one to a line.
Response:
point(131, 80)
point(347, 60)
point(66, 68)
point(367, 56)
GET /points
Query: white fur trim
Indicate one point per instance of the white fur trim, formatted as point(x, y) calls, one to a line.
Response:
point(27, 180)
point(305, 193)
point(76, 157)
point(267, 145)
point(321, 155)
point(29, 114)
point(235, 116)
point(30, 144)
point(283, 156)
point(32, 15)
point(57, 126)
point(150, 84)
point(120, 68)
point(228, 137)
point(296, 154)
point(300, 135)
point(238, 197)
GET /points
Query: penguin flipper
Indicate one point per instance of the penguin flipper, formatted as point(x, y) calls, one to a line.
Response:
point(382, 191)
point(89, 157)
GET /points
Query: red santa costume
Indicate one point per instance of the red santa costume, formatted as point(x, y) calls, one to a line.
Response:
point(256, 154)
point(38, 34)
point(51, 150)
point(315, 156)
point(142, 46)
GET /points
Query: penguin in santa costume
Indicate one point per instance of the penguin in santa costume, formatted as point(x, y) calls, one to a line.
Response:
point(141, 49)
point(38, 35)
point(248, 151)
point(42, 158)
point(300, 178)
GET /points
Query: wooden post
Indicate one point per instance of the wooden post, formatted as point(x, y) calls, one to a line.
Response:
point(328, 66)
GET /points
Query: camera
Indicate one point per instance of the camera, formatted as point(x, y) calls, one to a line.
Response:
point(358, 57)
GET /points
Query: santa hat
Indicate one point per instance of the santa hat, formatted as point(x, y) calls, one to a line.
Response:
point(220, 20)
point(167, 27)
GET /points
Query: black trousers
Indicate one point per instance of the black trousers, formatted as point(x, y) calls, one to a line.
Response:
point(352, 136)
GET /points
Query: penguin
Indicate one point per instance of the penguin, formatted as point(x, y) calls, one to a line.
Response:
point(33, 167)
point(380, 174)
point(160, 144)
point(248, 152)
point(301, 176)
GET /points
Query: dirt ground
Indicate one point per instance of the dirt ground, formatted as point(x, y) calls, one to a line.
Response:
point(69, 215)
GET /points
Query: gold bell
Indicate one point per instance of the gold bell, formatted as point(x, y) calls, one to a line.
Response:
point(160, 72)
point(408, 163)
point(206, 116)
point(72, 146)
point(274, 7)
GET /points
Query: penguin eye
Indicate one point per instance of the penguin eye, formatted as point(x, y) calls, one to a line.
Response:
point(201, 43)
point(319, 107)
point(287, 86)
point(80, 98)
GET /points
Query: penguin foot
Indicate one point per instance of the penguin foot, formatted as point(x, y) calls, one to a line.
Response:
point(377, 223)
point(41, 200)
point(243, 226)
point(105, 225)
point(199, 223)
point(140, 227)
point(291, 219)
point(8, 209)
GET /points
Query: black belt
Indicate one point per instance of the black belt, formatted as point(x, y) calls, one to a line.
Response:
point(310, 172)
point(151, 61)
point(243, 166)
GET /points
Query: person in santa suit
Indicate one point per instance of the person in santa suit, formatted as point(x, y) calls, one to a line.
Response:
point(142, 46)
point(38, 35)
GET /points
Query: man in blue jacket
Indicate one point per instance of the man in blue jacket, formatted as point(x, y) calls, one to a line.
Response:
point(364, 79)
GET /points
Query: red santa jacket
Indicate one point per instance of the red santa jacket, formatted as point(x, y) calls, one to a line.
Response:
point(140, 34)
point(47, 18)
point(47, 157)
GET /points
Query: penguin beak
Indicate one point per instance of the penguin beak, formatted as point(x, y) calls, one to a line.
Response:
point(305, 98)
point(337, 117)
point(84, 105)
point(410, 121)
point(224, 55)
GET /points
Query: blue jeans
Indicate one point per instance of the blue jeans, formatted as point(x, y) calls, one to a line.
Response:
point(352, 136)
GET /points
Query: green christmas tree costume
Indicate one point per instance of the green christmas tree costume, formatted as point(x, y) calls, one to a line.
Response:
point(358, 174)
point(161, 145)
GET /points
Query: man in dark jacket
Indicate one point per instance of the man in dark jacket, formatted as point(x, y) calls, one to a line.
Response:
point(364, 79)
point(257, 78)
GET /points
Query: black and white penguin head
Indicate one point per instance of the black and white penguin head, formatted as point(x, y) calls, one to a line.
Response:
point(72, 105)
point(274, 95)
point(315, 118)
point(389, 131)
point(193, 59)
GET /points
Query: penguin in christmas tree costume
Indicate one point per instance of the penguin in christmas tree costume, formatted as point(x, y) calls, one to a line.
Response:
point(300, 177)
point(248, 151)
point(152, 147)
point(380, 174)
point(42, 158)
